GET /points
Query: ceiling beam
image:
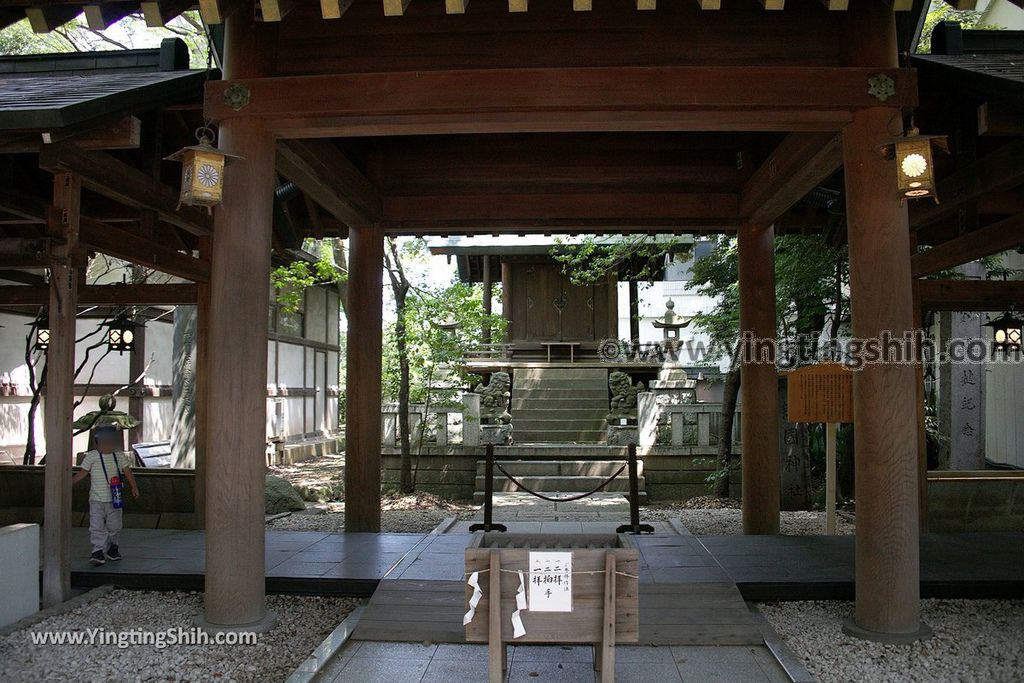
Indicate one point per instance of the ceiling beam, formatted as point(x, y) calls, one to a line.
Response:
point(572, 94)
point(217, 11)
point(99, 17)
point(46, 18)
point(105, 295)
point(395, 8)
point(333, 9)
point(123, 134)
point(326, 175)
point(127, 246)
point(559, 210)
point(275, 10)
point(801, 162)
point(158, 12)
point(112, 178)
point(969, 295)
point(992, 239)
point(997, 118)
point(997, 171)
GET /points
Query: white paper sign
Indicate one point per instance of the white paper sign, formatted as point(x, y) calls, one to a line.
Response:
point(551, 581)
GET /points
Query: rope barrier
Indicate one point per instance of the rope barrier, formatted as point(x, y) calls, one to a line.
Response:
point(524, 571)
point(565, 499)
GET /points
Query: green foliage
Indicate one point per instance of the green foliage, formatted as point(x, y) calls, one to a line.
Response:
point(434, 351)
point(589, 259)
point(941, 11)
point(291, 281)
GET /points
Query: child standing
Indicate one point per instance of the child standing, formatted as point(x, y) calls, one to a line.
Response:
point(105, 465)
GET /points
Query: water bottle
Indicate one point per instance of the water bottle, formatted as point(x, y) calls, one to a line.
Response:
point(116, 492)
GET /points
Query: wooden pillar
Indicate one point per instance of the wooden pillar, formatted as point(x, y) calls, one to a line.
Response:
point(506, 298)
point(363, 423)
point(759, 416)
point(236, 350)
point(136, 366)
point(884, 394)
point(63, 223)
point(634, 311)
point(485, 334)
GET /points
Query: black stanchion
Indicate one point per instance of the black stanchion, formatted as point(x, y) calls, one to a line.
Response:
point(634, 526)
point(488, 524)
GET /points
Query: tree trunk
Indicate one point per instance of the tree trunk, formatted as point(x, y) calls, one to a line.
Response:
point(731, 392)
point(405, 469)
point(33, 407)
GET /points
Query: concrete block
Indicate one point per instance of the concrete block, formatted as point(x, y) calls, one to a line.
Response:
point(19, 565)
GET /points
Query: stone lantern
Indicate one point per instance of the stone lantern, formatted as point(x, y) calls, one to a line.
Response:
point(670, 323)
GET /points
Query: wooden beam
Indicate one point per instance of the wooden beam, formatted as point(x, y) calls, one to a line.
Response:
point(177, 294)
point(773, 5)
point(333, 9)
point(969, 295)
point(636, 208)
point(646, 5)
point(836, 5)
point(101, 17)
point(123, 134)
point(110, 177)
point(275, 10)
point(455, 6)
point(217, 11)
point(992, 239)
point(569, 93)
point(800, 163)
point(46, 18)
point(106, 239)
point(709, 4)
point(518, 5)
point(995, 118)
point(22, 246)
point(326, 175)
point(582, 5)
point(158, 12)
point(62, 300)
point(395, 8)
point(963, 5)
point(997, 171)
point(24, 205)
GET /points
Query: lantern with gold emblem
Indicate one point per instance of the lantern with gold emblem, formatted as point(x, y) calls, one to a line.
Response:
point(914, 170)
point(202, 173)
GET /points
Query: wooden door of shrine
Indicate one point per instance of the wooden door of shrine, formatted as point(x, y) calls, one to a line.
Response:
point(548, 307)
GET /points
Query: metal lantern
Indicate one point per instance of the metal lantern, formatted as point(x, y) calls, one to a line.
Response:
point(121, 335)
point(202, 172)
point(42, 337)
point(1006, 332)
point(915, 172)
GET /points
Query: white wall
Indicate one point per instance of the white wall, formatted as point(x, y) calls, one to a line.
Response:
point(1004, 428)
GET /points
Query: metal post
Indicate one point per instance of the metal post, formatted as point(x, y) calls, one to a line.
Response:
point(488, 525)
point(634, 526)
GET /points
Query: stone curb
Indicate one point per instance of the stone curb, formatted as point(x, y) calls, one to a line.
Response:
point(62, 608)
point(310, 668)
point(787, 659)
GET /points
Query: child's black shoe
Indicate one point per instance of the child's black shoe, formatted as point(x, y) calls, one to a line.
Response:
point(113, 554)
point(96, 559)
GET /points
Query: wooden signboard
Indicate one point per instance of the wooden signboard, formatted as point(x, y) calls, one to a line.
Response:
point(820, 393)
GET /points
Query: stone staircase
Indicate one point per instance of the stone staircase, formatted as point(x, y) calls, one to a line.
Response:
point(559, 405)
point(559, 476)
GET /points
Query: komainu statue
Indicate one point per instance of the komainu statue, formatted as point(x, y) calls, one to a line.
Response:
point(494, 399)
point(623, 403)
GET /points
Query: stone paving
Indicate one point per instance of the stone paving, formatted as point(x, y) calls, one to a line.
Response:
point(524, 513)
point(372, 662)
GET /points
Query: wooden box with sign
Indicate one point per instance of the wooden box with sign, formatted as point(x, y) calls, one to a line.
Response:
point(555, 589)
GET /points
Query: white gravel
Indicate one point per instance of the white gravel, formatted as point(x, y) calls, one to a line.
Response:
point(975, 640)
point(304, 622)
point(417, 513)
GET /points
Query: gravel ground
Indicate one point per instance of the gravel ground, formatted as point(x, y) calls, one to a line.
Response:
point(975, 640)
point(418, 513)
point(304, 622)
point(707, 516)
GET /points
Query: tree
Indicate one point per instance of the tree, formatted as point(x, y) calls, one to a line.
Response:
point(434, 328)
point(940, 11)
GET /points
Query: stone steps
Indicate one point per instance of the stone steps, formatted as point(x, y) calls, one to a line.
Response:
point(559, 405)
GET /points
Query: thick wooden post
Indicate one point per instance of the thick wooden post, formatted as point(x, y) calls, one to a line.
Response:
point(362, 425)
point(236, 349)
point(884, 394)
point(759, 418)
point(60, 384)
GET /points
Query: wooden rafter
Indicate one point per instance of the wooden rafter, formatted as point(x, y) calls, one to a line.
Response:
point(1000, 170)
point(798, 165)
point(101, 16)
point(561, 94)
point(44, 19)
point(158, 12)
point(97, 236)
point(326, 175)
point(110, 177)
point(216, 11)
point(275, 10)
point(969, 295)
point(395, 8)
point(333, 9)
point(992, 239)
point(105, 295)
point(123, 134)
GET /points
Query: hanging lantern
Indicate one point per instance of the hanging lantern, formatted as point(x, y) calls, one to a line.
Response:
point(202, 172)
point(42, 341)
point(121, 335)
point(1006, 332)
point(915, 173)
